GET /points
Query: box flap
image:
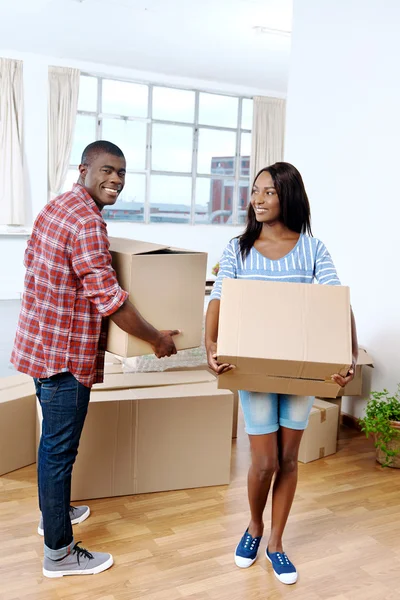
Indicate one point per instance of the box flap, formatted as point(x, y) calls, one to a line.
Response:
point(364, 358)
point(167, 391)
point(112, 359)
point(128, 246)
point(295, 323)
point(146, 380)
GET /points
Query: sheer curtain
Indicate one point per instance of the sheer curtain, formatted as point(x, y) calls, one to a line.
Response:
point(267, 134)
point(12, 202)
point(62, 109)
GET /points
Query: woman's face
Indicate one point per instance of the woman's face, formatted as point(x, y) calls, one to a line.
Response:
point(264, 199)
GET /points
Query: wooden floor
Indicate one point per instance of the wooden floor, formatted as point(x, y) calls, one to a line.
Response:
point(343, 535)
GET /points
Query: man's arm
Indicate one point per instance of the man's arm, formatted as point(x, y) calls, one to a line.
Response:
point(128, 318)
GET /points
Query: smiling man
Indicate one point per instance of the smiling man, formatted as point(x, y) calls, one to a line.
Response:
point(70, 291)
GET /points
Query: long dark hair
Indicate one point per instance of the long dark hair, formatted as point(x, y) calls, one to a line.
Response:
point(293, 200)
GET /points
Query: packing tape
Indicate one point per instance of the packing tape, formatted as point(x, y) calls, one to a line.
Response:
point(322, 412)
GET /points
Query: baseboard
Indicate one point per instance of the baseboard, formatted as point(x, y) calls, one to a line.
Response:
point(350, 421)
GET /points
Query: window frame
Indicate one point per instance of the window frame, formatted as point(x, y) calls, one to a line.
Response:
point(236, 178)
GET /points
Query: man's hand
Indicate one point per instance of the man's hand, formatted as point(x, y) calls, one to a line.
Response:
point(164, 345)
point(217, 367)
point(343, 381)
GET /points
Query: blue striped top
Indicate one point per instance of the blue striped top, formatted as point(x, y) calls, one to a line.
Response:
point(309, 260)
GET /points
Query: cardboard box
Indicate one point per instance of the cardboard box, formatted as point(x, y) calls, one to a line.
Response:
point(355, 387)
point(285, 338)
point(146, 380)
point(112, 359)
point(337, 402)
point(320, 437)
point(167, 287)
point(114, 368)
point(152, 439)
point(234, 392)
point(17, 423)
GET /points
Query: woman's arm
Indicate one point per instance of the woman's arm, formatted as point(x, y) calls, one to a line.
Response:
point(211, 336)
point(343, 381)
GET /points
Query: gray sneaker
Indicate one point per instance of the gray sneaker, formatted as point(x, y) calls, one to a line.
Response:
point(79, 562)
point(77, 514)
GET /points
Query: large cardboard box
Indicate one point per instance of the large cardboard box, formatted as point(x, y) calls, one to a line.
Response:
point(203, 367)
point(320, 437)
point(285, 338)
point(17, 423)
point(167, 287)
point(150, 439)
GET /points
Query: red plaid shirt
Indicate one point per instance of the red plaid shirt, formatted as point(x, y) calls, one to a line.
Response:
point(70, 286)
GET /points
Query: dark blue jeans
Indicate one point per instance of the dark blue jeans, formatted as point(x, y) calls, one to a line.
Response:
point(64, 403)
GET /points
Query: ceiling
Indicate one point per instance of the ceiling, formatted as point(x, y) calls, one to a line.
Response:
point(206, 39)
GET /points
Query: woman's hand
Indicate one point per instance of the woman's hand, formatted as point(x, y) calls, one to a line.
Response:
point(343, 381)
point(217, 367)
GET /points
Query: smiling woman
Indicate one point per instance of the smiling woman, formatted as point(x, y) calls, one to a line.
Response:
point(102, 172)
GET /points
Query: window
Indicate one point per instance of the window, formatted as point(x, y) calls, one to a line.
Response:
point(187, 152)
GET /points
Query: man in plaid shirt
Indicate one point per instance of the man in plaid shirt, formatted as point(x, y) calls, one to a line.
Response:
point(70, 290)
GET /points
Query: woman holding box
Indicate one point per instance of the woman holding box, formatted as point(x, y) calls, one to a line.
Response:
point(277, 245)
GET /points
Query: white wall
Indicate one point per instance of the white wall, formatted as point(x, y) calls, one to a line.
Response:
point(211, 239)
point(343, 131)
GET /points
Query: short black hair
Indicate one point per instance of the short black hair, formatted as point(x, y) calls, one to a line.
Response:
point(100, 147)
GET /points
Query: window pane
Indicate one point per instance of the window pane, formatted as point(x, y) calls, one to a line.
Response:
point(214, 200)
point(216, 152)
point(170, 199)
point(124, 98)
point(85, 134)
point(71, 178)
point(244, 198)
point(245, 151)
point(172, 148)
point(247, 113)
point(130, 136)
point(221, 111)
point(173, 105)
point(87, 93)
point(130, 204)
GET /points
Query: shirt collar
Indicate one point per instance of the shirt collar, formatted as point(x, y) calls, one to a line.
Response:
point(81, 192)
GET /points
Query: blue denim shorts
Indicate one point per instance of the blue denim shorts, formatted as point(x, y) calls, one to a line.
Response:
point(265, 413)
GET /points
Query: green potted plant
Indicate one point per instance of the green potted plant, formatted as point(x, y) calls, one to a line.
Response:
point(382, 420)
point(215, 269)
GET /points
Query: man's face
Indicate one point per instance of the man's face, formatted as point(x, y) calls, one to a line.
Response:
point(103, 178)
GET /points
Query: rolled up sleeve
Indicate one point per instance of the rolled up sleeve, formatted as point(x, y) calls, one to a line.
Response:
point(91, 262)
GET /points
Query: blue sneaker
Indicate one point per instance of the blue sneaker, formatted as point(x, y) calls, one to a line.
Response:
point(283, 568)
point(246, 551)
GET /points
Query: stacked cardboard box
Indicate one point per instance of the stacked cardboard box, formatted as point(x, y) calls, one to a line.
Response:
point(17, 423)
point(150, 432)
point(319, 439)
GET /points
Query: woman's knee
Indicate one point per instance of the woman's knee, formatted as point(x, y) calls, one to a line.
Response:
point(288, 463)
point(264, 467)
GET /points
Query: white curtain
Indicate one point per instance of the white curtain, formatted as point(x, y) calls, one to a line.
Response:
point(12, 202)
point(62, 108)
point(267, 134)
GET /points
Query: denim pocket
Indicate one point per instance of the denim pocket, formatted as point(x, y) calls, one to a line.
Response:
point(48, 389)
